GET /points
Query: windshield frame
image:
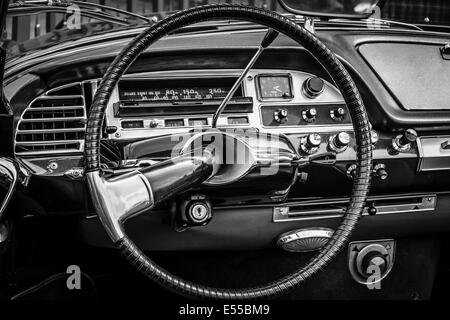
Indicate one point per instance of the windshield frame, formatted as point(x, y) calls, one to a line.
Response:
point(317, 14)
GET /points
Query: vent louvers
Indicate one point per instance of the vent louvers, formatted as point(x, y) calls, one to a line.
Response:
point(53, 123)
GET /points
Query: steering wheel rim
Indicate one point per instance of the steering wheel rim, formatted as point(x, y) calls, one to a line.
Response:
point(341, 78)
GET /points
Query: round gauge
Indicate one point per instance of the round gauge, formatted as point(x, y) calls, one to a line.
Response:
point(274, 86)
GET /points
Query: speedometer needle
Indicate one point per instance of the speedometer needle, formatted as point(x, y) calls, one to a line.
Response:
point(270, 36)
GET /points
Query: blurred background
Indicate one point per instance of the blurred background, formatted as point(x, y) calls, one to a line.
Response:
point(22, 28)
point(30, 26)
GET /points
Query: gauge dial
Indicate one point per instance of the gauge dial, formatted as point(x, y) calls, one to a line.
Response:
point(275, 87)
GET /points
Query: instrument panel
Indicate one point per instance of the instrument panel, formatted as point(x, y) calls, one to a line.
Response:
point(310, 112)
point(305, 109)
point(175, 90)
point(274, 86)
point(159, 103)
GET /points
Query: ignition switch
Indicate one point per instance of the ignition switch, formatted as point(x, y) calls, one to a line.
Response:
point(193, 211)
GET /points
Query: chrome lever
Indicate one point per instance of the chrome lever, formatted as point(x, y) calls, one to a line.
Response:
point(327, 158)
point(270, 36)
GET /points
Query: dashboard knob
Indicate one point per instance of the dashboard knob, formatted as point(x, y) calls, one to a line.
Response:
point(382, 174)
point(410, 135)
point(445, 145)
point(380, 171)
point(374, 137)
point(310, 143)
point(280, 115)
point(309, 115)
point(153, 123)
point(402, 143)
point(342, 139)
point(313, 140)
point(312, 87)
point(372, 210)
point(339, 142)
point(337, 114)
point(351, 171)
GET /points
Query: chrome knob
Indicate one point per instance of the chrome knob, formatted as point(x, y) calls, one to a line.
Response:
point(309, 115)
point(339, 142)
point(380, 171)
point(337, 114)
point(342, 139)
point(351, 171)
point(310, 143)
point(280, 115)
point(402, 143)
point(374, 137)
point(410, 135)
point(313, 140)
point(313, 87)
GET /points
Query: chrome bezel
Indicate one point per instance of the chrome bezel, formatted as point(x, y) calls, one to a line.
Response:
point(46, 95)
point(399, 148)
point(258, 86)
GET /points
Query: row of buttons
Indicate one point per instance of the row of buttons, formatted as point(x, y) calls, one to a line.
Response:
point(338, 143)
point(173, 123)
point(309, 115)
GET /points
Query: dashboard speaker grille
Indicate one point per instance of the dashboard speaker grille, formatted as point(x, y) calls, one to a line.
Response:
point(304, 240)
point(55, 122)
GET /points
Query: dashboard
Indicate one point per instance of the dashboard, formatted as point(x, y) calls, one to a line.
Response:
point(257, 104)
point(172, 91)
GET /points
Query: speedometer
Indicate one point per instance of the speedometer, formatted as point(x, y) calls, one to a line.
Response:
point(271, 86)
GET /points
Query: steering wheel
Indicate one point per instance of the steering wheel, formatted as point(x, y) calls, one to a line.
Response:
point(117, 199)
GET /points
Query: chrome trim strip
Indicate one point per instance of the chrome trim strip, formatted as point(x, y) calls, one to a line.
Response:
point(284, 214)
point(65, 152)
point(50, 130)
point(430, 148)
point(56, 108)
point(45, 96)
point(40, 143)
point(53, 120)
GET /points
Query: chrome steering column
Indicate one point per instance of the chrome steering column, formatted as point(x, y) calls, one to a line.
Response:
point(122, 197)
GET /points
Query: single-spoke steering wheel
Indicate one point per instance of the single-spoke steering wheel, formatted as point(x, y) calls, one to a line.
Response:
point(119, 198)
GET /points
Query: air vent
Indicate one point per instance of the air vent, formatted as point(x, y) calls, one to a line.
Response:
point(53, 123)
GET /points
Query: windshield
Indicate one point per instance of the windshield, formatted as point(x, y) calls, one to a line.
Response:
point(332, 7)
point(35, 25)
